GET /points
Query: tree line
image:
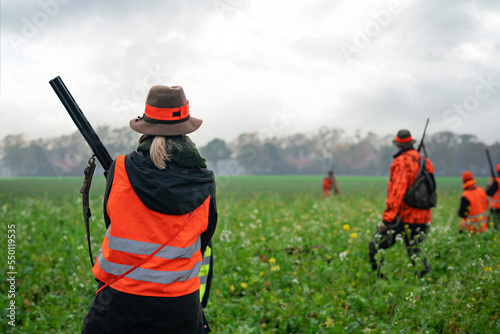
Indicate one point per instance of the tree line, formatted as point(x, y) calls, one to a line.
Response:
point(251, 153)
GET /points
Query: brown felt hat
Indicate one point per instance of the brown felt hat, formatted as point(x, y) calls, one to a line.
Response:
point(166, 113)
point(403, 139)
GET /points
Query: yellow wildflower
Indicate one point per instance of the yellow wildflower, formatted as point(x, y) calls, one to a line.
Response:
point(347, 227)
point(354, 235)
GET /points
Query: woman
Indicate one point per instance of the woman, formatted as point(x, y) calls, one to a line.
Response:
point(160, 214)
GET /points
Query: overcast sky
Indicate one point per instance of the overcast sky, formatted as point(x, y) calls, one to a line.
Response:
point(273, 67)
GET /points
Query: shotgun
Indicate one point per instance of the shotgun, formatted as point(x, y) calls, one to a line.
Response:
point(93, 141)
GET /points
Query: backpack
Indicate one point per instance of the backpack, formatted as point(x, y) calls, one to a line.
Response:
point(422, 193)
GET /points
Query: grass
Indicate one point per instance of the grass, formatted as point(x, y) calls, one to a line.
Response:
point(286, 260)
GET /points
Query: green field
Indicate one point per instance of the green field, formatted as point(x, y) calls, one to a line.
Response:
point(286, 260)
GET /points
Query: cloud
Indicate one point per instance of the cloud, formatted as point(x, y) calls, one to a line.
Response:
point(369, 65)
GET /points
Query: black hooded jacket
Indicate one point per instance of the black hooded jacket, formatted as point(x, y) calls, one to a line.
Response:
point(175, 190)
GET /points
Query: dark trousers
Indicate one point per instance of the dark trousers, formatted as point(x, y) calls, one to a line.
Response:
point(117, 312)
point(412, 235)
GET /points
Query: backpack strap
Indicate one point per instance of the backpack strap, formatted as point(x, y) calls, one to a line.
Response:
point(422, 161)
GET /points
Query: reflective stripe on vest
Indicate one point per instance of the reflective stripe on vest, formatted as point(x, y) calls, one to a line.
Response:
point(147, 275)
point(136, 232)
point(480, 218)
point(146, 248)
point(495, 199)
point(205, 268)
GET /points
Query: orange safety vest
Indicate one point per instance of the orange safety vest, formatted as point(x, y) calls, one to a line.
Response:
point(327, 186)
point(136, 232)
point(495, 199)
point(477, 217)
point(327, 183)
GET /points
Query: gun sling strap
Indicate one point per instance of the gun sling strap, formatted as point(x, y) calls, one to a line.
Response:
point(89, 173)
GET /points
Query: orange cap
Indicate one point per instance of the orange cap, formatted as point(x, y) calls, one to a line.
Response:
point(466, 176)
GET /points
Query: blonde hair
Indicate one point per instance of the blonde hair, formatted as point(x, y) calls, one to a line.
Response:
point(160, 150)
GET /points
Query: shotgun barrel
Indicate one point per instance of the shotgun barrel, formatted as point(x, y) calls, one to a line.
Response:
point(421, 145)
point(490, 163)
point(81, 122)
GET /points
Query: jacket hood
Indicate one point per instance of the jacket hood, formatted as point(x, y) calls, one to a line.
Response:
point(175, 190)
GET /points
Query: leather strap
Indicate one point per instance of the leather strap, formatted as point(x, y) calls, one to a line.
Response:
point(89, 173)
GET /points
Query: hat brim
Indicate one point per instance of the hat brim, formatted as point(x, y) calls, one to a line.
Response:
point(411, 142)
point(157, 129)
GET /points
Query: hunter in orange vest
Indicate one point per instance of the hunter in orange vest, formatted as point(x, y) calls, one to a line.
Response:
point(473, 206)
point(493, 191)
point(329, 183)
point(160, 214)
point(399, 218)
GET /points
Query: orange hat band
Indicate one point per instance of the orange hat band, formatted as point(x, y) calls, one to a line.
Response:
point(167, 114)
point(403, 140)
